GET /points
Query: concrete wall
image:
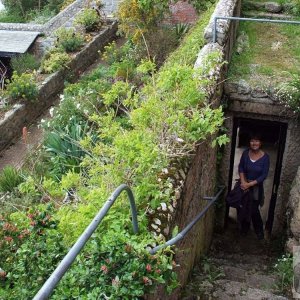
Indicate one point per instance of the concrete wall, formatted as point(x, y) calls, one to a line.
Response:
point(23, 114)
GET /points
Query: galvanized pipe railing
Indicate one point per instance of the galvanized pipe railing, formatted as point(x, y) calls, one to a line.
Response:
point(184, 232)
point(248, 19)
point(65, 264)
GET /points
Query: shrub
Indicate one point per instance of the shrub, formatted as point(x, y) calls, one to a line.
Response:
point(24, 63)
point(10, 178)
point(140, 16)
point(68, 39)
point(284, 270)
point(54, 61)
point(89, 19)
point(22, 87)
point(289, 93)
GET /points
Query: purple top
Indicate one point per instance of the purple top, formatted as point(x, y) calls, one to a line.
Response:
point(257, 170)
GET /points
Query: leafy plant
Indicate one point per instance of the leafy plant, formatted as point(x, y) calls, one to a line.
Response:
point(24, 63)
point(68, 39)
point(181, 30)
point(54, 60)
point(202, 5)
point(289, 93)
point(63, 147)
point(89, 19)
point(10, 178)
point(22, 87)
point(30, 252)
point(284, 270)
point(142, 17)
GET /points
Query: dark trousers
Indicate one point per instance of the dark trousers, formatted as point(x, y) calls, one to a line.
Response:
point(256, 220)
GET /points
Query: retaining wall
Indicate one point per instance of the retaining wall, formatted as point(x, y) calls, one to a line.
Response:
point(23, 114)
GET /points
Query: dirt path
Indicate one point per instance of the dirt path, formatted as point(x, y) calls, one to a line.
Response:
point(17, 152)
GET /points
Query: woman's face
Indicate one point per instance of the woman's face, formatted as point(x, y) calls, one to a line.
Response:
point(255, 144)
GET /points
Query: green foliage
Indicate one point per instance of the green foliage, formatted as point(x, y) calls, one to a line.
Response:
point(10, 178)
point(289, 93)
point(54, 60)
point(89, 19)
point(202, 5)
point(116, 268)
point(29, 251)
point(284, 270)
point(181, 30)
point(24, 63)
point(22, 86)
point(68, 39)
point(64, 149)
point(26, 10)
point(142, 17)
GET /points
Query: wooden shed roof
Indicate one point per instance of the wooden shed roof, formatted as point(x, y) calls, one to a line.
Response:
point(14, 42)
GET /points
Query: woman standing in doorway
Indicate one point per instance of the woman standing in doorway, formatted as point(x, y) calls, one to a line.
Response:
point(253, 170)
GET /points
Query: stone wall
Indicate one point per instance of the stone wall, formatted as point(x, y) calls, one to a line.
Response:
point(198, 177)
point(294, 214)
point(23, 114)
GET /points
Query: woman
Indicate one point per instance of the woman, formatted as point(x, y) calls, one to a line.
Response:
point(253, 170)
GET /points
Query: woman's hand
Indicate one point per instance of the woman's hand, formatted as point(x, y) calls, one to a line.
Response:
point(246, 185)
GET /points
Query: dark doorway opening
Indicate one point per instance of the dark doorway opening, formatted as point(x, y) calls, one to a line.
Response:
point(5, 70)
point(274, 137)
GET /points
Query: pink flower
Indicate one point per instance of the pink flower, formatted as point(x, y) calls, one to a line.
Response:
point(148, 268)
point(8, 239)
point(115, 282)
point(104, 269)
point(147, 281)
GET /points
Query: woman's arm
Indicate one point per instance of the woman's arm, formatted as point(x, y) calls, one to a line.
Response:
point(244, 184)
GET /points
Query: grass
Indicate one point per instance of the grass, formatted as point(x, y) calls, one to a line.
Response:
point(274, 50)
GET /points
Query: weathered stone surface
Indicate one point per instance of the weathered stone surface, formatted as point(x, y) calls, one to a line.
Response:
point(224, 8)
point(259, 281)
point(294, 207)
point(273, 7)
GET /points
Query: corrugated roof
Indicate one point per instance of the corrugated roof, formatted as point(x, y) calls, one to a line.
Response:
point(16, 41)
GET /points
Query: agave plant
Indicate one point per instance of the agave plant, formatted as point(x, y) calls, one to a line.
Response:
point(63, 146)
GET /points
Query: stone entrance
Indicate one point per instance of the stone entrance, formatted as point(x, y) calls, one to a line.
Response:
point(282, 138)
point(273, 137)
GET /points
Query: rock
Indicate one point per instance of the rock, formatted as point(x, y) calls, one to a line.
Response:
point(242, 42)
point(290, 244)
point(273, 7)
point(259, 93)
point(243, 87)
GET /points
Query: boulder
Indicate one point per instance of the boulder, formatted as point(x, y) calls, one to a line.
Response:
point(273, 7)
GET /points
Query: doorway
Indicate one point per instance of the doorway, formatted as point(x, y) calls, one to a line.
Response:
point(273, 137)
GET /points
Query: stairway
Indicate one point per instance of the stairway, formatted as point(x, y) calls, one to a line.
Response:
point(236, 268)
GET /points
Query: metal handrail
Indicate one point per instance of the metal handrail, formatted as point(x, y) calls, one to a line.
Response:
point(184, 232)
point(65, 264)
point(247, 19)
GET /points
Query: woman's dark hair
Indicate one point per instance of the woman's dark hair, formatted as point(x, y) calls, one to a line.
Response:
point(255, 136)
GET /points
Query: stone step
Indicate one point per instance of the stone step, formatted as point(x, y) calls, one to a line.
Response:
point(264, 15)
point(261, 262)
point(229, 289)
